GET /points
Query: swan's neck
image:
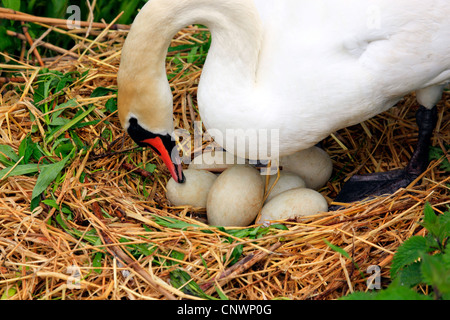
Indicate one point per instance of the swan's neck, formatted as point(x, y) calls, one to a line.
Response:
point(231, 63)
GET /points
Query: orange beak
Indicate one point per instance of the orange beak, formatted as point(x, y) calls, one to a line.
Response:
point(173, 163)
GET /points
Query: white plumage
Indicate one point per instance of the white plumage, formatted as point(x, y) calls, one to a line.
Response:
point(307, 68)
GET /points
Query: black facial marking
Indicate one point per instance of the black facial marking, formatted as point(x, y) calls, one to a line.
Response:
point(139, 135)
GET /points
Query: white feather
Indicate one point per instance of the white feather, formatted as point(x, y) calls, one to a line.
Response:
point(306, 68)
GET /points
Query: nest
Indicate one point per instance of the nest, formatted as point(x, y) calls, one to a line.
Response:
point(112, 234)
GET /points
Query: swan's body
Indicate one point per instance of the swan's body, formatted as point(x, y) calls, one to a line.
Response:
point(306, 68)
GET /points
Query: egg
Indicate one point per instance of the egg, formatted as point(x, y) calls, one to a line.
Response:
point(194, 192)
point(314, 165)
point(293, 203)
point(236, 197)
point(215, 161)
point(287, 181)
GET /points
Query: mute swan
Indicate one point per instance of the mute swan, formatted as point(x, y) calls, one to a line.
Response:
point(305, 68)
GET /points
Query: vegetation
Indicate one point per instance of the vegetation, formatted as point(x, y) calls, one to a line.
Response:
point(420, 269)
point(104, 10)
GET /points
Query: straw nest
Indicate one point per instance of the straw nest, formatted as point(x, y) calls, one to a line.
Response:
point(125, 241)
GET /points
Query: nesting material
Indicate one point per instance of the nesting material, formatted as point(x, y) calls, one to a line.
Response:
point(314, 165)
point(194, 191)
point(292, 204)
point(235, 197)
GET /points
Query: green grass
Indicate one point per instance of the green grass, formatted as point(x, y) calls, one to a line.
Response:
point(104, 10)
point(49, 149)
point(421, 261)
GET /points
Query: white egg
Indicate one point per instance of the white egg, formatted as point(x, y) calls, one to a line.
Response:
point(293, 203)
point(314, 165)
point(236, 197)
point(287, 181)
point(194, 192)
point(214, 160)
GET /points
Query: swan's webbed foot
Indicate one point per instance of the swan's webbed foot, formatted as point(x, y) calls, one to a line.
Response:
point(360, 187)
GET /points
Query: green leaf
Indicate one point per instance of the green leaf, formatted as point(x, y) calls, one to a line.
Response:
point(5, 41)
point(90, 236)
point(430, 217)
point(236, 254)
point(192, 55)
point(7, 155)
point(345, 254)
point(64, 149)
point(435, 273)
point(111, 105)
point(221, 295)
point(397, 292)
point(77, 140)
point(21, 170)
point(438, 154)
point(43, 90)
point(173, 223)
point(47, 175)
point(338, 249)
point(129, 8)
point(59, 109)
point(411, 250)
point(7, 294)
point(57, 8)
point(180, 279)
point(26, 149)
point(439, 229)
point(444, 227)
point(252, 233)
point(358, 295)
point(279, 226)
point(62, 222)
point(52, 203)
point(150, 167)
point(446, 258)
point(430, 221)
point(68, 125)
point(144, 249)
point(97, 262)
point(410, 275)
point(11, 4)
point(59, 121)
point(102, 91)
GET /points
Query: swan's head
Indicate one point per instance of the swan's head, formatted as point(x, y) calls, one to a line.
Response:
point(145, 107)
point(145, 101)
point(163, 144)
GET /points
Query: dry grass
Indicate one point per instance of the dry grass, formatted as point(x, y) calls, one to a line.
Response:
point(116, 207)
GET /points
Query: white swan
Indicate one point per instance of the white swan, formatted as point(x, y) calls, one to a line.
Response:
point(306, 68)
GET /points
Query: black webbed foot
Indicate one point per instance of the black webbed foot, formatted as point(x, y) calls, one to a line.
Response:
point(360, 187)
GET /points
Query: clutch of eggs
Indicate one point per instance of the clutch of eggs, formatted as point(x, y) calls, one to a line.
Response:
point(235, 197)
